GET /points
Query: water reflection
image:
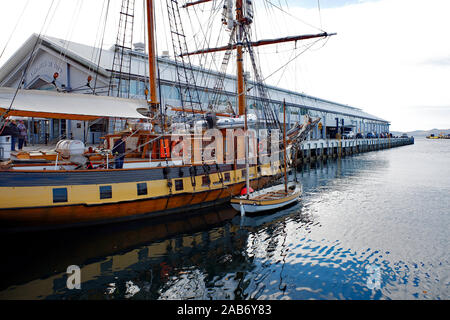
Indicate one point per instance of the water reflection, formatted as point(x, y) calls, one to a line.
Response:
point(321, 248)
point(38, 262)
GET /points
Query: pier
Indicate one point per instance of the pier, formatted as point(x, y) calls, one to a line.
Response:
point(315, 150)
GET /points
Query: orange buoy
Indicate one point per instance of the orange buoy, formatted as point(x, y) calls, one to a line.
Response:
point(244, 191)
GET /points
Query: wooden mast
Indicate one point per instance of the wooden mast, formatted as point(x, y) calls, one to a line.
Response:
point(241, 86)
point(284, 146)
point(247, 147)
point(240, 58)
point(153, 101)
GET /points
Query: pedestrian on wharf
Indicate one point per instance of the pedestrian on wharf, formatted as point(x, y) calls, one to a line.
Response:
point(15, 133)
point(22, 134)
point(119, 151)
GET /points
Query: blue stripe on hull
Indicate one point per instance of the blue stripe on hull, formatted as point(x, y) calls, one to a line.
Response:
point(65, 178)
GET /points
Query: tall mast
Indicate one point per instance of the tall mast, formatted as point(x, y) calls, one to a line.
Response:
point(247, 147)
point(241, 85)
point(152, 53)
point(284, 147)
point(240, 57)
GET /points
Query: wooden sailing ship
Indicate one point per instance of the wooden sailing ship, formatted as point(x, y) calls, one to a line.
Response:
point(58, 192)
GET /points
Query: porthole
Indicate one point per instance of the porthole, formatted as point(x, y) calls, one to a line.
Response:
point(179, 185)
point(142, 189)
point(105, 192)
point(60, 195)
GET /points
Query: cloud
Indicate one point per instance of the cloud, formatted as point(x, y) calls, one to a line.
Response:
point(377, 60)
point(423, 118)
point(323, 3)
point(438, 62)
point(388, 55)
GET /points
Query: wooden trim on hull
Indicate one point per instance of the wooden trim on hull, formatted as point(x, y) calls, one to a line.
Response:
point(80, 215)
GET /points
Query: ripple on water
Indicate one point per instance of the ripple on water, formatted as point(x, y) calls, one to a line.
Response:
point(373, 226)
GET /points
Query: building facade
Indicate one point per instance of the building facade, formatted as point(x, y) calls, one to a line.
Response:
point(57, 64)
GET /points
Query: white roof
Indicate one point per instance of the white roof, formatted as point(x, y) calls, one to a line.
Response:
point(49, 104)
point(88, 56)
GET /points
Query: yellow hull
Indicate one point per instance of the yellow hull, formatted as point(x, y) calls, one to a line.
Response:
point(35, 206)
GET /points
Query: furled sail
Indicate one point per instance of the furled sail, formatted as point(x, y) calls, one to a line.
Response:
point(56, 105)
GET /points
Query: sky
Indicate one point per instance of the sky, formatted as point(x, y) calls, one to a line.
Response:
point(390, 58)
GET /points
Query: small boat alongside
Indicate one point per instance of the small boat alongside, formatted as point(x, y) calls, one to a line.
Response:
point(268, 199)
point(271, 198)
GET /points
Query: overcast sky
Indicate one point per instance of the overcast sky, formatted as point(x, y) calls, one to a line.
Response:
point(390, 57)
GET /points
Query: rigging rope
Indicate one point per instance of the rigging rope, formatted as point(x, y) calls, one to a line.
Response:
point(294, 58)
point(101, 47)
point(320, 14)
point(207, 40)
point(291, 15)
point(15, 27)
point(29, 62)
point(64, 51)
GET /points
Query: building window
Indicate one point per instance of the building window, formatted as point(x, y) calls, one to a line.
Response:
point(179, 185)
point(142, 189)
point(170, 92)
point(294, 110)
point(106, 192)
point(60, 195)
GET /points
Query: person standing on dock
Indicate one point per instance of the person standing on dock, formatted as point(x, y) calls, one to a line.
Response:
point(22, 134)
point(119, 152)
point(14, 131)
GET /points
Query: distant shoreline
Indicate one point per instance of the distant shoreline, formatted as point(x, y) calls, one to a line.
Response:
point(422, 133)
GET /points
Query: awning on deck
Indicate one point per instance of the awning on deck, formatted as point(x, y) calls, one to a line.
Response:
point(72, 106)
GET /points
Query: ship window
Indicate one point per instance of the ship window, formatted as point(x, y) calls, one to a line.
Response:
point(205, 181)
point(244, 172)
point(142, 189)
point(106, 192)
point(179, 185)
point(60, 195)
point(227, 177)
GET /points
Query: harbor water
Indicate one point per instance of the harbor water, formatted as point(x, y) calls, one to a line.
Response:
point(369, 226)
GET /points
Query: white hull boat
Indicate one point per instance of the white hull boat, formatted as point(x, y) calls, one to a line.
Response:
point(268, 199)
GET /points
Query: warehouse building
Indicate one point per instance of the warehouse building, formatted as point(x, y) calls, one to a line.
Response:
point(66, 66)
